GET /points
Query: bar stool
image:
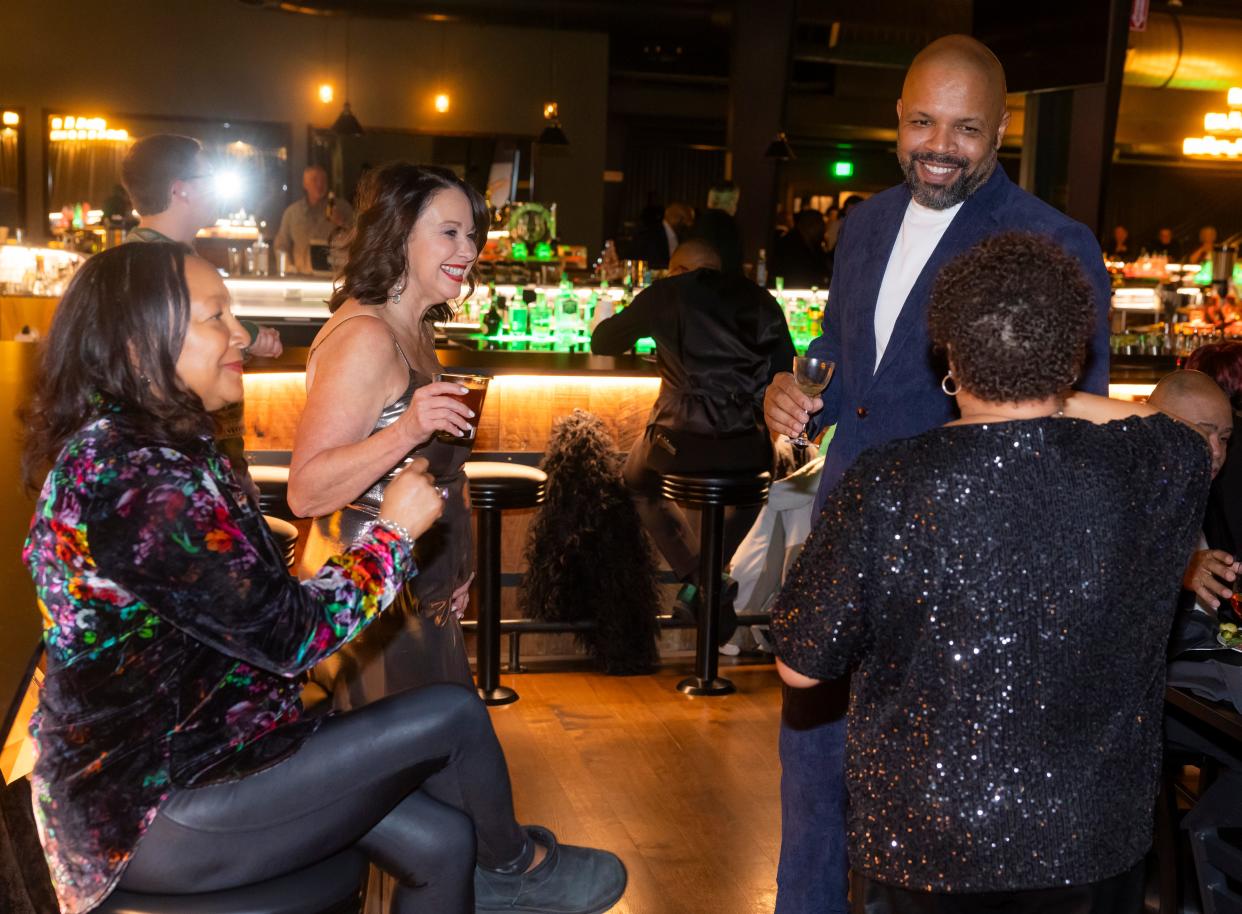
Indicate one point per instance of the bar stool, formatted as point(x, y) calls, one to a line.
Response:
point(333, 886)
point(495, 487)
point(711, 494)
point(273, 483)
point(286, 536)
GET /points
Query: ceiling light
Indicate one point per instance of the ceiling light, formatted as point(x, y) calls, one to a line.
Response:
point(326, 94)
point(442, 103)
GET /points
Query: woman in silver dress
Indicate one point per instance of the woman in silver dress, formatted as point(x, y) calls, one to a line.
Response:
point(372, 404)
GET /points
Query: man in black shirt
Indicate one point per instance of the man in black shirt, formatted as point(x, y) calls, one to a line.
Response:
point(720, 339)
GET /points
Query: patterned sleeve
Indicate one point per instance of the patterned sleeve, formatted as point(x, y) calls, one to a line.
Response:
point(820, 618)
point(160, 527)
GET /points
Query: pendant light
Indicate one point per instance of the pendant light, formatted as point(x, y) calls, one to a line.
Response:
point(552, 134)
point(346, 124)
point(779, 148)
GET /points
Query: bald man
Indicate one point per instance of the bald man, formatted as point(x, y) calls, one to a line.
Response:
point(719, 340)
point(312, 221)
point(951, 119)
point(1196, 399)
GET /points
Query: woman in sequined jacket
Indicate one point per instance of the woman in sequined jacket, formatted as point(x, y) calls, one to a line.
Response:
point(172, 755)
point(1004, 730)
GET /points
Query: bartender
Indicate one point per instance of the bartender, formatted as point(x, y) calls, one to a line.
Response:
point(312, 222)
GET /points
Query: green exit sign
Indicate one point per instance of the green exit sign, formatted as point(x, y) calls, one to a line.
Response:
point(843, 169)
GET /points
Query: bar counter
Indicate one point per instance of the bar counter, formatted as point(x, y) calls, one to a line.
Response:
point(528, 392)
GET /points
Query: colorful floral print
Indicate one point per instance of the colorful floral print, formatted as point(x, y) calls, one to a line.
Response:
point(175, 637)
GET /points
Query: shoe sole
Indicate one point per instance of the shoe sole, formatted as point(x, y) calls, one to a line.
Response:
point(605, 906)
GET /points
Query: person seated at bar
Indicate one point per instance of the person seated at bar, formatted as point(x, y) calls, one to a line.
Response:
point(372, 402)
point(719, 341)
point(1207, 242)
point(1222, 527)
point(172, 756)
point(169, 179)
point(1004, 732)
point(1194, 398)
point(800, 257)
point(314, 221)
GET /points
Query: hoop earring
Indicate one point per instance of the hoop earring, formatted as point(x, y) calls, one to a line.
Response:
point(394, 297)
point(944, 385)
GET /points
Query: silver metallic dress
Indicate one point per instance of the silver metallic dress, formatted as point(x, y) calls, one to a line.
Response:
point(418, 641)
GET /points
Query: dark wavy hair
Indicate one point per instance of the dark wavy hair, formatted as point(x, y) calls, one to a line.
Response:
point(390, 200)
point(1222, 362)
point(1015, 313)
point(113, 345)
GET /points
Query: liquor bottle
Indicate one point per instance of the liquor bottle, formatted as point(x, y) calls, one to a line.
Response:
point(761, 269)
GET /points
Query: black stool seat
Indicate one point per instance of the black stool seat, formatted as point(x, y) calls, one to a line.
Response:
point(712, 493)
point(273, 483)
point(493, 488)
point(286, 536)
point(735, 491)
point(504, 485)
point(331, 887)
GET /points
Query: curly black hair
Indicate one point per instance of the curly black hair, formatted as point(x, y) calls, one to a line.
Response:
point(1015, 314)
point(587, 554)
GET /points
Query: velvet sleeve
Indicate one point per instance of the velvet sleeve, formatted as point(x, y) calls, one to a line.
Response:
point(820, 619)
point(161, 527)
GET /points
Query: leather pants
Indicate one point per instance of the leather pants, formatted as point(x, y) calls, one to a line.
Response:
point(417, 781)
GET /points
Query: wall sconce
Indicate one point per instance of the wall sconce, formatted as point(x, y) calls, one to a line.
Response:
point(326, 93)
point(442, 102)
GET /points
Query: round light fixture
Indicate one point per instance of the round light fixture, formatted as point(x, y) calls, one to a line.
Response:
point(442, 102)
point(326, 93)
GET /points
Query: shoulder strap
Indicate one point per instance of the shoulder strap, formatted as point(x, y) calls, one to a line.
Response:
point(392, 335)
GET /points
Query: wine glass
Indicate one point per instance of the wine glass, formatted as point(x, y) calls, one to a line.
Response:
point(812, 376)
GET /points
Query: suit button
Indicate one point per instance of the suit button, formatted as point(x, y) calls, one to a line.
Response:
point(862, 412)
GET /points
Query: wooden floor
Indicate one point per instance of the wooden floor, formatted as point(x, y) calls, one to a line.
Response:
point(684, 790)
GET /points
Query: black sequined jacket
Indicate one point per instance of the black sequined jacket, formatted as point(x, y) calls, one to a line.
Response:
point(1005, 718)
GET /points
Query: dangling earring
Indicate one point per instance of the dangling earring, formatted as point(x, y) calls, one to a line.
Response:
point(944, 385)
point(394, 297)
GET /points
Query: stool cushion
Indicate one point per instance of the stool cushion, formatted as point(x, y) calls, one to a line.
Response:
point(730, 490)
point(504, 485)
point(286, 536)
point(330, 887)
point(273, 483)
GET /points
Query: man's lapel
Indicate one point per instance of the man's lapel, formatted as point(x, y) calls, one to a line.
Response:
point(973, 222)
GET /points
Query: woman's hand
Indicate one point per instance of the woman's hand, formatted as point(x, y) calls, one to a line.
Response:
point(412, 500)
point(434, 410)
point(461, 598)
point(1210, 574)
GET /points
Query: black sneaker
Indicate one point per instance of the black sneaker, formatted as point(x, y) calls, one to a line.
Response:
point(569, 880)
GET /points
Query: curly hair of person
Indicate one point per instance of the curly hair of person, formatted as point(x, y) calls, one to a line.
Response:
point(587, 554)
point(1222, 362)
point(113, 346)
point(1015, 314)
point(390, 200)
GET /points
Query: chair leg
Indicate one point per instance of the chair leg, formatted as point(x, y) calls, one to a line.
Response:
point(711, 561)
point(487, 635)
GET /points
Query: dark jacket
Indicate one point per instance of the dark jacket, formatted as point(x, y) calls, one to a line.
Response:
point(720, 339)
point(903, 397)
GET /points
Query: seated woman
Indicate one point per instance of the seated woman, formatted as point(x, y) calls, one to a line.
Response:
point(1002, 589)
point(171, 754)
point(372, 403)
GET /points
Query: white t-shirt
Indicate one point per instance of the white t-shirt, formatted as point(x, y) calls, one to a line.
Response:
point(921, 230)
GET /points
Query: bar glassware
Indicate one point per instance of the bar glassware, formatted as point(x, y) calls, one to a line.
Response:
point(476, 391)
point(812, 376)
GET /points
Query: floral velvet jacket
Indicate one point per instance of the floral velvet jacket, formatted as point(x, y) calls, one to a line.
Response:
point(175, 641)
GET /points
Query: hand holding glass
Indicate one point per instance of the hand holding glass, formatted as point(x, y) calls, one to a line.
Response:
point(476, 390)
point(811, 376)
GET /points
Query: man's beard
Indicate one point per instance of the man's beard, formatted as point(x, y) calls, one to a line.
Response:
point(935, 196)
